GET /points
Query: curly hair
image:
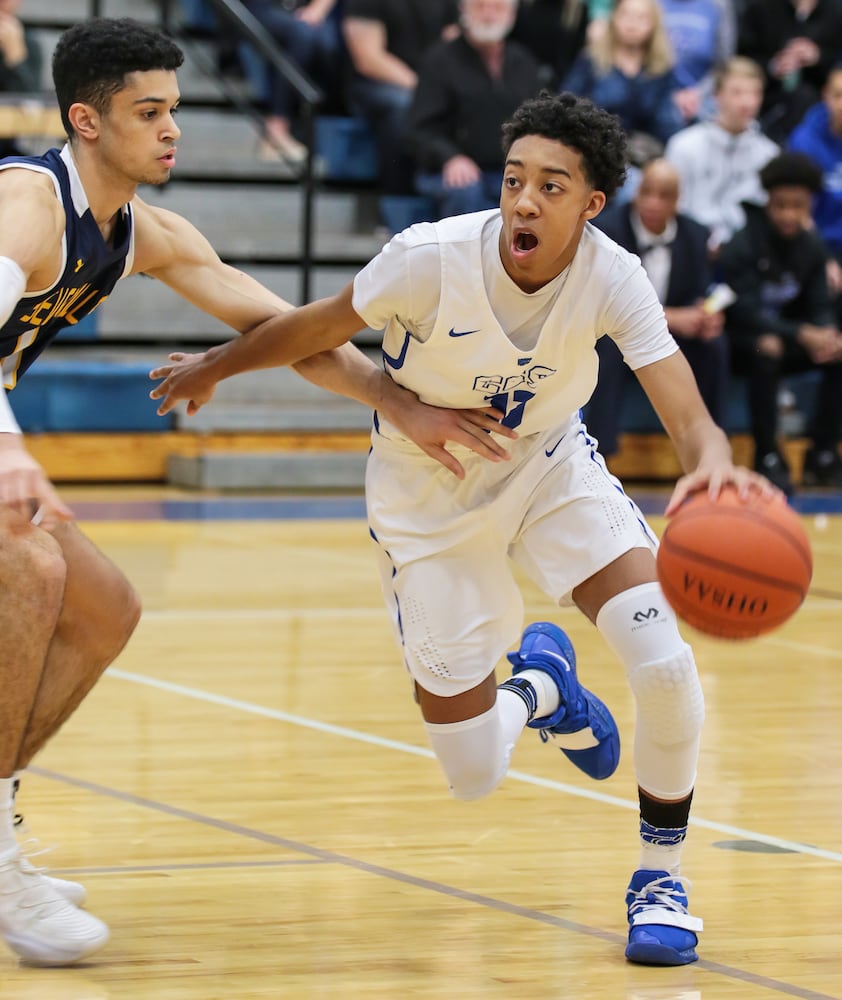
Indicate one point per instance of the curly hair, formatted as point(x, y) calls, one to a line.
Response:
point(91, 61)
point(578, 123)
point(792, 169)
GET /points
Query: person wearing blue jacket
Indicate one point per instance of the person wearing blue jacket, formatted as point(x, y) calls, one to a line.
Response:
point(820, 136)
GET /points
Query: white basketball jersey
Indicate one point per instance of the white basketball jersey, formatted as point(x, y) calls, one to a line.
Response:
point(468, 360)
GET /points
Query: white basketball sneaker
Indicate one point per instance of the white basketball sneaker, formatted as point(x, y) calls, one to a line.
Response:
point(38, 923)
point(73, 892)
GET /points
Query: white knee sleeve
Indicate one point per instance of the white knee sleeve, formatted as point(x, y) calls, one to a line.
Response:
point(642, 630)
point(474, 754)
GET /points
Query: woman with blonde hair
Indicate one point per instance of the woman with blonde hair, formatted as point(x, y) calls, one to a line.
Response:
point(628, 69)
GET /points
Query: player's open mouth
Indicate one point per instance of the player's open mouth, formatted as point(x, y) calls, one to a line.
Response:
point(168, 159)
point(523, 243)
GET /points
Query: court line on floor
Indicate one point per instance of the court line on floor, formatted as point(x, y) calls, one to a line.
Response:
point(359, 736)
point(441, 888)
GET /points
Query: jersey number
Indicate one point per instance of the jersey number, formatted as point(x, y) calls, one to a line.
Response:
point(514, 416)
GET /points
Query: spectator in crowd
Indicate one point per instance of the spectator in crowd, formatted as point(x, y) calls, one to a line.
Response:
point(820, 136)
point(719, 161)
point(554, 31)
point(796, 42)
point(308, 32)
point(673, 250)
point(21, 60)
point(628, 70)
point(703, 34)
point(20, 52)
point(467, 88)
point(386, 40)
point(782, 320)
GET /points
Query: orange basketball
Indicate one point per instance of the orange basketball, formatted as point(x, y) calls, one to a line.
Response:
point(734, 569)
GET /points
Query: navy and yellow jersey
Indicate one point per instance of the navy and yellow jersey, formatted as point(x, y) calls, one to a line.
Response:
point(90, 268)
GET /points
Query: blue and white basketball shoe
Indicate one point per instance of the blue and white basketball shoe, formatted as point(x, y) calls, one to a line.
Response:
point(661, 931)
point(582, 726)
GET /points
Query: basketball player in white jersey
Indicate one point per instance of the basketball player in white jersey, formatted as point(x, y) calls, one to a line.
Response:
point(504, 308)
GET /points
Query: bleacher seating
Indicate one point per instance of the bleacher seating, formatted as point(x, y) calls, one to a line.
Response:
point(93, 383)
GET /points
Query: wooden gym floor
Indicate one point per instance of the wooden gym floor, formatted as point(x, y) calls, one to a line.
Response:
point(249, 797)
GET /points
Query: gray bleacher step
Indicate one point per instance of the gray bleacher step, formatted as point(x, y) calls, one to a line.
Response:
point(276, 399)
point(70, 11)
point(195, 83)
point(217, 141)
point(299, 470)
point(329, 415)
point(263, 222)
point(143, 308)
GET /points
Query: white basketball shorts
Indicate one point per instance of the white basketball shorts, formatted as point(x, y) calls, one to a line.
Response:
point(446, 546)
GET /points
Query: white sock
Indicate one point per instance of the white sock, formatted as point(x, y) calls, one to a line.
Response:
point(546, 692)
point(513, 715)
point(7, 815)
point(657, 859)
point(660, 848)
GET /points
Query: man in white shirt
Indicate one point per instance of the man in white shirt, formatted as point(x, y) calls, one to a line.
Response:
point(719, 162)
point(504, 308)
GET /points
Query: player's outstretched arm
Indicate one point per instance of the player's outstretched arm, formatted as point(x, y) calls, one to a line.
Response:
point(281, 340)
point(703, 448)
point(31, 229)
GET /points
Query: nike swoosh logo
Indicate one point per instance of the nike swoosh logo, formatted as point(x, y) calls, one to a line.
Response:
point(550, 451)
point(397, 362)
point(461, 333)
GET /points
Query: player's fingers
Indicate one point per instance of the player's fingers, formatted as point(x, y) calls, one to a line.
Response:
point(683, 488)
point(491, 419)
point(443, 456)
point(488, 448)
point(166, 406)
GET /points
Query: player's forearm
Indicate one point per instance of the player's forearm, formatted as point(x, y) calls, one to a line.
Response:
point(702, 445)
point(283, 339)
point(347, 372)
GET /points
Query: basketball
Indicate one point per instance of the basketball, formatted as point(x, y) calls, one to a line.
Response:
point(734, 569)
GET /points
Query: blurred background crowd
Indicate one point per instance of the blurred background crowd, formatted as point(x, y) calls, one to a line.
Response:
point(733, 111)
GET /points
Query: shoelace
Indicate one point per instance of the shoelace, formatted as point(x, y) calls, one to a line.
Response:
point(32, 848)
point(661, 892)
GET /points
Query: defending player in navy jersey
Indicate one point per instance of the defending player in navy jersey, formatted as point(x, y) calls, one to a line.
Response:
point(505, 308)
point(72, 225)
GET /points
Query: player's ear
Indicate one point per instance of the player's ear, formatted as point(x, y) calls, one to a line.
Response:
point(84, 119)
point(595, 205)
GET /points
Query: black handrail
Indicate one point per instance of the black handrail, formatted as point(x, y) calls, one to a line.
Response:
point(247, 25)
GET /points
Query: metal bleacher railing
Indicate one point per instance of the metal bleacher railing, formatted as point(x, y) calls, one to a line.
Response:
point(247, 28)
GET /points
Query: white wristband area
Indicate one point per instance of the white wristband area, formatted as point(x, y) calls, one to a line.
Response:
point(12, 287)
point(8, 424)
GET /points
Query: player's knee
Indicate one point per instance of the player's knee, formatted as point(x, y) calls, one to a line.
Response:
point(670, 701)
point(471, 753)
point(641, 628)
point(124, 612)
point(470, 784)
point(33, 566)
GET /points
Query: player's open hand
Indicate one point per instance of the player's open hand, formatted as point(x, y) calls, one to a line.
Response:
point(714, 478)
point(25, 488)
point(432, 427)
point(187, 376)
